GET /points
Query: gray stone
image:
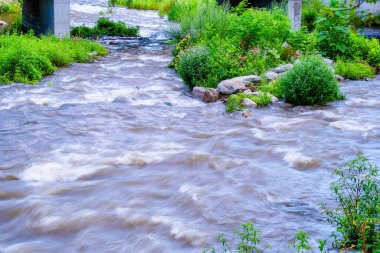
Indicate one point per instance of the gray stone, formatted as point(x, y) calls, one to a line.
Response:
point(211, 96)
point(287, 66)
point(279, 69)
point(246, 102)
point(236, 84)
point(3, 23)
point(274, 99)
point(295, 13)
point(246, 113)
point(271, 75)
point(328, 61)
point(199, 92)
point(339, 78)
point(247, 91)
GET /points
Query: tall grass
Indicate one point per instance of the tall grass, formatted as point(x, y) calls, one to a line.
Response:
point(26, 58)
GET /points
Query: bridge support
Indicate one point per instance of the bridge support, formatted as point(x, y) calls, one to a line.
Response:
point(295, 13)
point(47, 16)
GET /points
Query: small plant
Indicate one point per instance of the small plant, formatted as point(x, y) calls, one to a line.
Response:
point(234, 102)
point(354, 70)
point(357, 193)
point(310, 82)
point(105, 26)
point(194, 66)
point(301, 243)
point(249, 237)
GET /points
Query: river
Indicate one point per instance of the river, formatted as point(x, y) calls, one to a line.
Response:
point(117, 156)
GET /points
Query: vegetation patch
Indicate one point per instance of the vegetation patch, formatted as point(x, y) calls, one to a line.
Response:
point(354, 70)
point(311, 81)
point(356, 192)
point(234, 102)
point(10, 7)
point(26, 58)
point(105, 26)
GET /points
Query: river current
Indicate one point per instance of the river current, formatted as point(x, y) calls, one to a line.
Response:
point(117, 156)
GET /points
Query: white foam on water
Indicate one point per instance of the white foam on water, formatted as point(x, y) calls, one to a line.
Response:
point(55, 171)
point(363, 102)
point(191, 191)
point(296, 159)
point(350, 125)
point(180, 230)
point(130, 217)
point(89, 9)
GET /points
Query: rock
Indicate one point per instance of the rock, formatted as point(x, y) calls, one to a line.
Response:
point(246, 113)
point(279, 69)
point(287, 66)
point(3, 23)
point(271, 75)
point(247, 91)
point(339, 78)
point(236, 84)
point(246, 102)
point(256, 93)
point(211, 96)
point(328, 61)
point(274, 99)
point(199, 92)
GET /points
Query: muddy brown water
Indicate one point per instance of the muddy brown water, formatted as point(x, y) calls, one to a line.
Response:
point(117, 156)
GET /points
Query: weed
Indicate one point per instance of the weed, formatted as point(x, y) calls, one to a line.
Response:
point(357, 193)
point(354, 70)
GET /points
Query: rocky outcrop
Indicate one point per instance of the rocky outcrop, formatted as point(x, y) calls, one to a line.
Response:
point(231, 86)
point(199, 92)
point(210, 96)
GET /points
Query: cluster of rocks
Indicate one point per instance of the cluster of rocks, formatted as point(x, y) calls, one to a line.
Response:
point(245, 84)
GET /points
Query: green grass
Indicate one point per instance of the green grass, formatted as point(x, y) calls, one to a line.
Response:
point(27, 59)
point(105, 26)
point(354, 70)
point(234, 102)
point(11, 7)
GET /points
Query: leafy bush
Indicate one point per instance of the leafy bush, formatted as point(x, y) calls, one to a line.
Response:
point(234, 102)
point(26, 58)
point(333, 33)
point(357, 193)
point(310, 11)
point(365, 49)
point(301, 242)
point(310, 82)
point(353, 70)
point(105, 26)
point(194, 66)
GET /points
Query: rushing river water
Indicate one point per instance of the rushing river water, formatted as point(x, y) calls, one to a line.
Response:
point(116, 156)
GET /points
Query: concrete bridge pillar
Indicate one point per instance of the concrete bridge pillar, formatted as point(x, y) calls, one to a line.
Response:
point(47, 16)
point(295, 13)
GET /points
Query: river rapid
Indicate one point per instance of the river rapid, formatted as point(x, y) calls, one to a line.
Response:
point(117, 156)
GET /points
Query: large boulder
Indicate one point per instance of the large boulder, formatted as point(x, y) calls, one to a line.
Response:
point(236, 84)
point(210, 96)
point(199, 92)
point(246, 102)
point(271, 75)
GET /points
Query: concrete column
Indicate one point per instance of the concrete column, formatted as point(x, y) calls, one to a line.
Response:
point(47, 16)
point(295, 13)
point(62, 18)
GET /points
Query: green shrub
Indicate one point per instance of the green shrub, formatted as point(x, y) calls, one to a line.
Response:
point(353, 70)
point(26, 58)
point(5, 8)
point(310, 82)
point(357, 193)
point(194, 66)
point(105, 26)
point(273, 88)
point(333, 33)
point(310, 11)
point(365, 49)
point(234, 102)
